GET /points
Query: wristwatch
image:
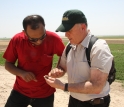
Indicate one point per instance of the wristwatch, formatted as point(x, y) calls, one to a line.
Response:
point(66, 87)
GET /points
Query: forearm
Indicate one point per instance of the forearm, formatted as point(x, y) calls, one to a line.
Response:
point(63, 71)
point(62, 66)
point(94, 85)
point(13, 69)
point(85, 88)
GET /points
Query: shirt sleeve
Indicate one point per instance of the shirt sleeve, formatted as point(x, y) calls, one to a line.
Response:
point(101, 57)
point(11, 54)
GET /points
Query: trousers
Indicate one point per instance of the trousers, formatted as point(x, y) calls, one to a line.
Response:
point(17, 99)
point(99, 102)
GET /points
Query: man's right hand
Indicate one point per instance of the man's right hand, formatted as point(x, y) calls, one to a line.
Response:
point(28, 76)
point(56, 73)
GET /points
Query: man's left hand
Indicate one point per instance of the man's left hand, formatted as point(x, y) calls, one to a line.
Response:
point(53, 82)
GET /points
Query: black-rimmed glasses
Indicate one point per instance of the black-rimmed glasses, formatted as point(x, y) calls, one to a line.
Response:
point(36, 39)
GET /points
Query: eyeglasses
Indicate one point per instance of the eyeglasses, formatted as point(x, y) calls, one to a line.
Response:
point(36, 39)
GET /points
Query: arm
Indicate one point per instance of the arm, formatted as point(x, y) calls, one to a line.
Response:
point(93, 86)
point(58, 71)
point(26, 76)
point(12, 68)
point(11, 55)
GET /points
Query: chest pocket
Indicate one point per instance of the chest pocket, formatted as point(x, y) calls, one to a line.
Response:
point(33, 57)
point(78, 68)
point(45, 59)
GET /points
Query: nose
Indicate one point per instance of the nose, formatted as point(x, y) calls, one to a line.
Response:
point(66, 34)
point(39, 41)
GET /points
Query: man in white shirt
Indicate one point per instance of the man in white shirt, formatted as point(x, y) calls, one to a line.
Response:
point(88, 85)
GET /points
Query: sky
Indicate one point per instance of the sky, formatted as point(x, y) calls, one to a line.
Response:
point(105, 17)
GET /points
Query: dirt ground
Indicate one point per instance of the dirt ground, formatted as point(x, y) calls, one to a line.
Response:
point(61, 98)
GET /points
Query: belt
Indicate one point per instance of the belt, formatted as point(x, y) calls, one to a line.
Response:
point(98, 100)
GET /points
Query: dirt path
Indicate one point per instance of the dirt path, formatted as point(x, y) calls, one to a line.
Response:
point(61, 98)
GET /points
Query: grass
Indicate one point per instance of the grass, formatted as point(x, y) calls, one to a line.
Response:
point(55, 61)
point(118, 53)
point(111, 37)
point(2, 61)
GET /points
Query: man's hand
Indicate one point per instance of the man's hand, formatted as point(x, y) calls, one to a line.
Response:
point(56, 73)
point(28, 76)
point(53, 82)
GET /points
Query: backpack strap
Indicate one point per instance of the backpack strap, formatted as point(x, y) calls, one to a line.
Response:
point(93, 39)
point(67, 49)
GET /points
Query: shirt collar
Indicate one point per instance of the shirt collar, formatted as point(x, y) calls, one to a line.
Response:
point(73, 47)
point(22, 35)
point(85, 42)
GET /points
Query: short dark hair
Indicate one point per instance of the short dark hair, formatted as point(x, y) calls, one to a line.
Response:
point(33, 21)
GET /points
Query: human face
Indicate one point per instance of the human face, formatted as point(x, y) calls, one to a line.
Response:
point(36, 36)
point(76, 34)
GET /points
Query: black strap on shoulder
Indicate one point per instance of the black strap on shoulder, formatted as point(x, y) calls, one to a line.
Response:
point(67, 49)
point(93, 39)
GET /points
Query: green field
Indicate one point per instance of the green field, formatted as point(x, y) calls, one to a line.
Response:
point(111, 37)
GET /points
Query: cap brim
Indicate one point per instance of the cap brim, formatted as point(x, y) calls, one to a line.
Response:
point(64, 27)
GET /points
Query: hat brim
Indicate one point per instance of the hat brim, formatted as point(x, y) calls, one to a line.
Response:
point(64, 27)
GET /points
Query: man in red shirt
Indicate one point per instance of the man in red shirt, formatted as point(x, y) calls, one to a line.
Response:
point(33, 50)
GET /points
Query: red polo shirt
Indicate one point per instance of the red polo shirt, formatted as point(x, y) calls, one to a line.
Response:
point(36, 59)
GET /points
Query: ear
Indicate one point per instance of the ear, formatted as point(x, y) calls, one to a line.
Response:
point(84, 26)
point(24, 32)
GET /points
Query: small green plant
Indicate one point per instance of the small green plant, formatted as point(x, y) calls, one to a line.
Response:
point(2, 60)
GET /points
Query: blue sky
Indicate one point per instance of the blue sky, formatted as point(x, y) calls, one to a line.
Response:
point(105, 17)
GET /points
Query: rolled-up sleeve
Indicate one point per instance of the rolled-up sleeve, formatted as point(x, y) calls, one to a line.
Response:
point(101, 57)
